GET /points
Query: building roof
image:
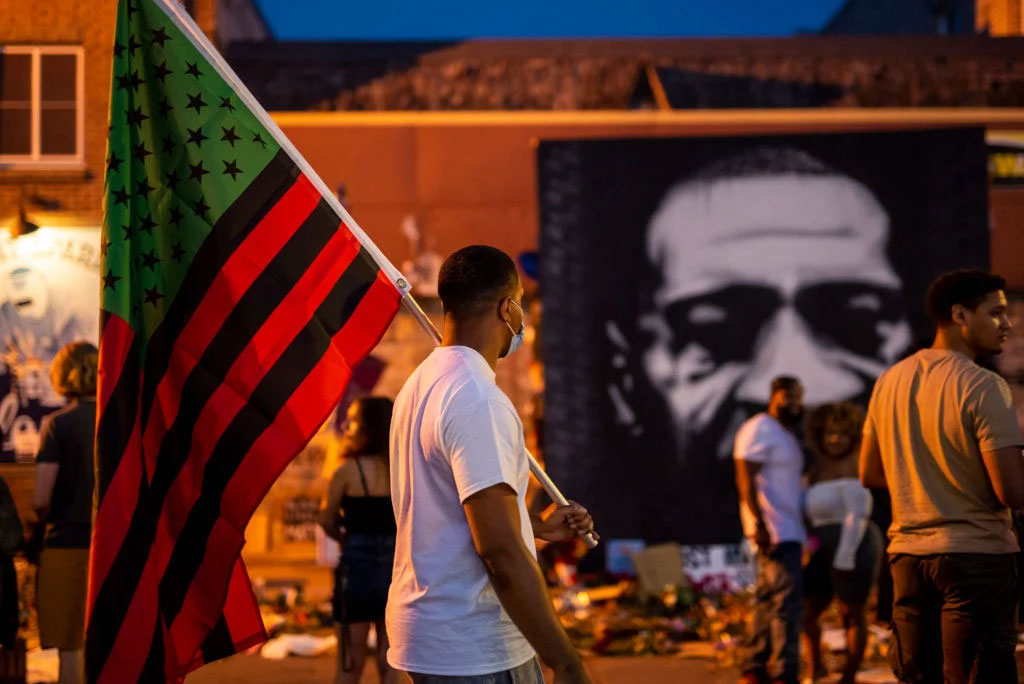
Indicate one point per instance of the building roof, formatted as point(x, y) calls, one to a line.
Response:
point(849, 71)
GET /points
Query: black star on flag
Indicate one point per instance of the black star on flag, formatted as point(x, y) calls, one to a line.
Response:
point(159, 36)
point(121, 196)
point(172, 179)
point(174, 218)
point(196, 136)
point(193, 70)
point(129, 231)
point(133, 44)
point(149, 259)
point(136, 117)
point(201, 207)
point(179, 252)
point(114, 163)
point(118, 49)
point(231, 168)
point(225, 103)
point(141, 152)
point(162, 72)
point(136, 81)
point(196, 171)
point(143, 189)
point(110, 280)
point(257, 138)
point(165, 107)
point(147, 224)
point(230, 136)
point(168, 144)
point(153, 296)
point(196, 102)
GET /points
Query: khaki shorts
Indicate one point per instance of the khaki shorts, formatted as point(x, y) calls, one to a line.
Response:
point(61, 589)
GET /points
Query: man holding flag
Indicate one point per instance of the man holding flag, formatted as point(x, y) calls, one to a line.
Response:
point(236, 296)
point(468, 602)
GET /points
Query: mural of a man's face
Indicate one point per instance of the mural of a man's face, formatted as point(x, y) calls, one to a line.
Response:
point(27, 289)
point(767, 274)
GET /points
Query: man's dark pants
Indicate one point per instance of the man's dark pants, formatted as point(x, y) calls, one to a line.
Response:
point(954, 618)
point(778, 611)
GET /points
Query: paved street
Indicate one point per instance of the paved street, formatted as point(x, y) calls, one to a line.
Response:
point(640, 670)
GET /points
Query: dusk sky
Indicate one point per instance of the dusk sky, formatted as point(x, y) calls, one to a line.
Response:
point(444, 19)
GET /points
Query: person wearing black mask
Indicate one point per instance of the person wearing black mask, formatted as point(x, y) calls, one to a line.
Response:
point(769, 465)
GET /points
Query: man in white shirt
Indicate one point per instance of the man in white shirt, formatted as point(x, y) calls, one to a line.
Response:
point(468, 602)
point(769, 467)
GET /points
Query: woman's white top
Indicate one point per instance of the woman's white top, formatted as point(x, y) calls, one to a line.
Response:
point(844, 502)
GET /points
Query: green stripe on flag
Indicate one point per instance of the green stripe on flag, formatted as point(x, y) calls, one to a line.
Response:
point(182, 148)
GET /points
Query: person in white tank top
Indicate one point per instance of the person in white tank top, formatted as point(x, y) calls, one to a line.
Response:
point(845, 563)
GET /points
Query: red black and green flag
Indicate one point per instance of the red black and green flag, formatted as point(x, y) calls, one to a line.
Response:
point(237, 294)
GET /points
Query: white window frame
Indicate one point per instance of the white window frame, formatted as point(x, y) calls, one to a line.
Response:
point(36, 159)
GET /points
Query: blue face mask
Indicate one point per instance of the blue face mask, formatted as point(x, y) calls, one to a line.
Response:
point(517, 337)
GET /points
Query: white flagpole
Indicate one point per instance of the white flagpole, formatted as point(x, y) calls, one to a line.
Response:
point(187, 25)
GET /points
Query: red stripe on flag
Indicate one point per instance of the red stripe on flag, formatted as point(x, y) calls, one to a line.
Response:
point(304, 412)
point(242, 268)
point(242, 614)
point(115, 511)
point(115, 344)
point(126, 659)
point(119, 500)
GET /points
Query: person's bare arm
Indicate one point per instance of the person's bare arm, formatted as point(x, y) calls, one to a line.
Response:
point(494, 522)
point(872, 474)
point(329, 518)
point(1005, 468)
point(746, 473)
point(42, 495)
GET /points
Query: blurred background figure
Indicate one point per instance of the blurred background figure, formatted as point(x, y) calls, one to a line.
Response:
point(63, 501)
point(845, 563)
point(358, 514)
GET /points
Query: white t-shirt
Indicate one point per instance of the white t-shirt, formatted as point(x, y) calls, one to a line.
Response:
point(453, 433)
point(762, 439)
point(845, 502)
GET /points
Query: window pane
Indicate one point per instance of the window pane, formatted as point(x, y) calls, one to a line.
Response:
point(59, 127)
point(15, 77)
point(15, 131)
point(58, 77)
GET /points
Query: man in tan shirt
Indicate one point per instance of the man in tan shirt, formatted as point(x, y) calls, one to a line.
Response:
point(941, 434)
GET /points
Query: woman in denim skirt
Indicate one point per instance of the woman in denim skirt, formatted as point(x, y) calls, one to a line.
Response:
point(358, 514)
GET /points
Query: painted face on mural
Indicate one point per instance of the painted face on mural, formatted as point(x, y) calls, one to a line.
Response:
point(28, 291)
point(762, 275)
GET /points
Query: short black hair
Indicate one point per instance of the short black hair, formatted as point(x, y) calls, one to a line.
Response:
point(765, 161)
point(784, 382)
point(966, 287)
point(376, 424)
point(475, 278)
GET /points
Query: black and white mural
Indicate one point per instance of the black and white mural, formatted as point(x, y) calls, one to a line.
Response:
point(679, 276)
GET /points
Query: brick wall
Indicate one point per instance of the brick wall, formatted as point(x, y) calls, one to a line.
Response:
point(65, 22)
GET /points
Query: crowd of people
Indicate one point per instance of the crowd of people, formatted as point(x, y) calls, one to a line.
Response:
point(438, 542)
point(940, 435)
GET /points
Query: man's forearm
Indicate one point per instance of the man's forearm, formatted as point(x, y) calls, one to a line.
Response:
point(748, 495)
point(523, 594)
